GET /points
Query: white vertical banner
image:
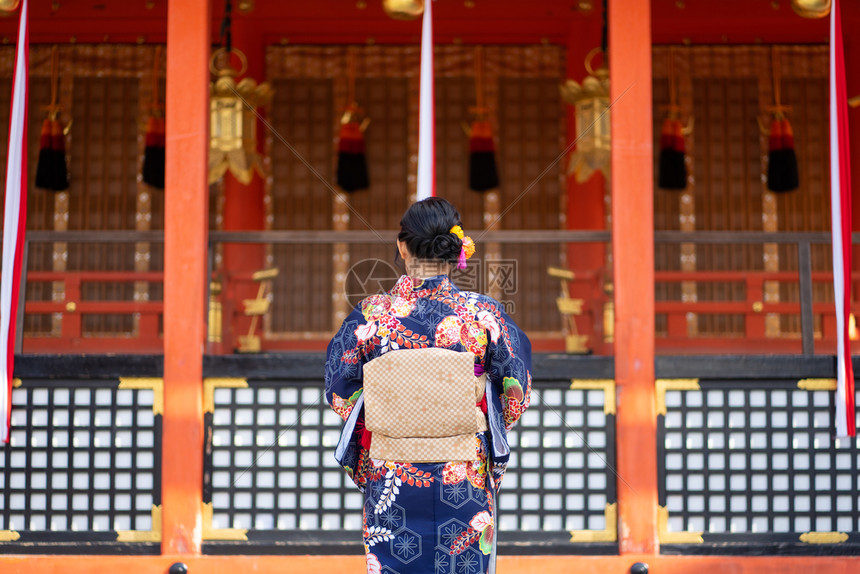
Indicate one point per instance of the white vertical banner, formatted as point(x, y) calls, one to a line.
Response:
point(14, 220)
point(426, 111)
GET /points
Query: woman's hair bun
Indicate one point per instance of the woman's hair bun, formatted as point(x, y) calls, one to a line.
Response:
point(426, 230)
point(446, 246)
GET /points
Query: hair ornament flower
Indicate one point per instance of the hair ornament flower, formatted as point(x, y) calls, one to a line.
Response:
point(468, 246)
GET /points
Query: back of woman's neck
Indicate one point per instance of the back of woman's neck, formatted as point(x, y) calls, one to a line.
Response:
point(428, 270)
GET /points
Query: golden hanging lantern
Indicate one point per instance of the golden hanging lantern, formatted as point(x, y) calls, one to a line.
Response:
point(9, 5)
point(233, 119)
point(811, 8)
point(403, 9)
point(591, 101)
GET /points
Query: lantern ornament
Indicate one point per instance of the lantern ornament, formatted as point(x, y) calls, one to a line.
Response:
point(403, 9)
point(233, 119)
point(591, 100)
point(811, 8)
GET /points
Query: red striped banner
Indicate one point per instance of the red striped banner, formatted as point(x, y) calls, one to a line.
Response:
point(14, 220)
point(840, 208)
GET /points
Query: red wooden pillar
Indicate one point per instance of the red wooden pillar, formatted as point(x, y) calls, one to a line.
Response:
point(586, 209)
point(243, 206)
point(633, 265)
point(185, 227)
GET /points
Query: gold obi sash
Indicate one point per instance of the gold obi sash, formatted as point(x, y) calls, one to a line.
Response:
point(420, 405)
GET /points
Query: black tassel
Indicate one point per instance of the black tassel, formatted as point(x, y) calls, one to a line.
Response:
point(483, 174)
point(351, 159)
point(153, 155)
point(51, 170)
point(782, 172)
point(672, 170)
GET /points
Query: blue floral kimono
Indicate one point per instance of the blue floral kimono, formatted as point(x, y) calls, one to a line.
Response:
point(429, 518)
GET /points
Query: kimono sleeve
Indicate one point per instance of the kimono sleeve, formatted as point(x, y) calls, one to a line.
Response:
point(343, 367)
point(509, 363)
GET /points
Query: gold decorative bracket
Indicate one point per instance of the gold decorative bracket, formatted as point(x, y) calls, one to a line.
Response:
point(265, 274)
point(560, 273)
point(663, 385)
point(153, 535)
point(256, 308)
point(216, 313)
point(9, 535)
point(608, 534)
point(16, 382)
point(250, 344)
point(569, 307)
point(576, 343)
point(140, 384)
point(209, 386)
point(817, 384)
point(605, 385)
point(210, 533)
point(823, 537)
point(666, 537)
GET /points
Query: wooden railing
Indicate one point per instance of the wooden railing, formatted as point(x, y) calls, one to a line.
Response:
point(146, 337)
point(754, 308)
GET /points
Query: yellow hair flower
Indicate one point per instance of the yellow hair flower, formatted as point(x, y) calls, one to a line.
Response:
point(468, 246)
point(457, 230)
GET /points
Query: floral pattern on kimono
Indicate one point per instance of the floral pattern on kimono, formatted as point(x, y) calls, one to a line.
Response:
point(429, 517)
